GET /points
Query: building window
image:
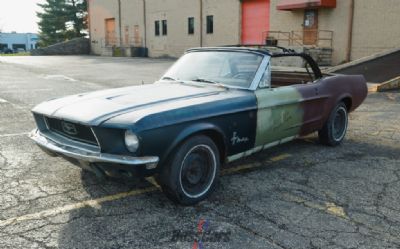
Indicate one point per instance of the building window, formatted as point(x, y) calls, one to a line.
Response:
point(157, 28)
point(191, 25)
point(210, 24)
point(164, 27)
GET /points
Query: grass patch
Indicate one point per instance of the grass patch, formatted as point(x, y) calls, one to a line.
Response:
point(17, 54)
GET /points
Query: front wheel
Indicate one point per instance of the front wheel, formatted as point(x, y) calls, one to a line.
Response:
point(335, 128)
point(192, 173)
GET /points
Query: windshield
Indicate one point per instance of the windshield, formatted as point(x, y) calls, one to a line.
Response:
point(235, 69)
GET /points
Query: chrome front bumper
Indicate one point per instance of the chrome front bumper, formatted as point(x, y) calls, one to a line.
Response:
point(85, 155)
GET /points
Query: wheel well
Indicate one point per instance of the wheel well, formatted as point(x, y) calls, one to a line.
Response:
point(214, 135)
point(348, 102)
point(218, 140)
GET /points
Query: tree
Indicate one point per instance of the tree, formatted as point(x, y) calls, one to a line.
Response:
point(62, 20)
point(77, 10)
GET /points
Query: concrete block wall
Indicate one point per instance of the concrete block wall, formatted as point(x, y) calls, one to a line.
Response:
point(323, 56)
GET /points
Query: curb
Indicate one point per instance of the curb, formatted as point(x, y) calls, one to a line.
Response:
point(372, 88)
point(393, 84)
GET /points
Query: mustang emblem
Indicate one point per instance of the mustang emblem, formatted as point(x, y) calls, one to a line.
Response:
point(69, 128)
point(236, 139)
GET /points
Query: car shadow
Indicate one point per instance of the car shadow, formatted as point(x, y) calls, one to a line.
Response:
point(148, 220)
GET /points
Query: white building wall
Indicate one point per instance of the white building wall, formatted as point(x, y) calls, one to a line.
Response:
point(27, 39)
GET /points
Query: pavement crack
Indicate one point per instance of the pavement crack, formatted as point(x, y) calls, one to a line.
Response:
point(254, 232)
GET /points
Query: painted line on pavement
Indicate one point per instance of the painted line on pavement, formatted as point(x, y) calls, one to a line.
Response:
point(58, 77)
point(14, 134)
point(327, 207)
point(95, 203)
point(89, 203)
point(4, 101)
point(27, 90)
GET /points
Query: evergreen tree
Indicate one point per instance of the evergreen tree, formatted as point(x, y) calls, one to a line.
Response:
point(62, 20)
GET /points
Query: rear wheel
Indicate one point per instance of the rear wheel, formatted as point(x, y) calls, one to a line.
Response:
point(335, 127)
point(192, 173)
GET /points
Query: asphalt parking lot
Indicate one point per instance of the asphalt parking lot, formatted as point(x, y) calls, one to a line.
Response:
point(297, 195)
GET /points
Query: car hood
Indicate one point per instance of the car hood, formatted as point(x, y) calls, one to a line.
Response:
point(97, 107)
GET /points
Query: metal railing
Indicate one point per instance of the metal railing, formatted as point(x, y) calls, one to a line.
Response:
point(279, 36)
point(320, 38)
point(111, 40)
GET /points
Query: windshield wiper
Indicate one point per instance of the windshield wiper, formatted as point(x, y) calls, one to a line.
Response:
point(205, 81)
point(168, 78)
point(210, 81)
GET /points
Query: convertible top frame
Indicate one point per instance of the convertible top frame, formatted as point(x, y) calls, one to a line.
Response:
point(265, 50)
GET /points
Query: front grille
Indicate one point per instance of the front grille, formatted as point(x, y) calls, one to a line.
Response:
point(74, 131)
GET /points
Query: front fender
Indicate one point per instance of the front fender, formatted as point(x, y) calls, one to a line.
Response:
point(190, 131)
point(162, 141)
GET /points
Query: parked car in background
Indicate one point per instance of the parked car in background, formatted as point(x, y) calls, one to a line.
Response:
point(7, 51)
point(20, 50)
point(213, 106)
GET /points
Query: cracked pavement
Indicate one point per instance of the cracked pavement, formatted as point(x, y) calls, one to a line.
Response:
point(297, 195)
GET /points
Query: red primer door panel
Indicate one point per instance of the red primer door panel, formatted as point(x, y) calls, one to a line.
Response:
point(255, 20)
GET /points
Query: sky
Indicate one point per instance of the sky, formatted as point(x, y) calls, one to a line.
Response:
point(19, 15)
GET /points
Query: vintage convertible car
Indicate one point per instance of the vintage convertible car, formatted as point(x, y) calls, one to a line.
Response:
point(214, 105)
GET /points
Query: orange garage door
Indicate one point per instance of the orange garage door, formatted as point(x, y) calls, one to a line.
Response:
point(255, 20)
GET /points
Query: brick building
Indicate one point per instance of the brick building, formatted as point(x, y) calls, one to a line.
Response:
point(346, 29)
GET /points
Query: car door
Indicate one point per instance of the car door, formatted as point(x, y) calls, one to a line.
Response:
point(288, 111)
point(279, 115)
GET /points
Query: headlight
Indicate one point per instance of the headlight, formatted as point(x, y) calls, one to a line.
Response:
point(131, 141)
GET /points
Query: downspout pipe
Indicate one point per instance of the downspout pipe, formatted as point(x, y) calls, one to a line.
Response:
point(350, 29)
point(120, 23)
point(201, 23)
point(144, 25)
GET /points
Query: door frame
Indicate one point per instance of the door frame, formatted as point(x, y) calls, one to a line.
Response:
point(310, 27)
point(110, 39)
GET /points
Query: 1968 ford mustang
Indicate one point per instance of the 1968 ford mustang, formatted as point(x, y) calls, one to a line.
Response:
point(214, 105)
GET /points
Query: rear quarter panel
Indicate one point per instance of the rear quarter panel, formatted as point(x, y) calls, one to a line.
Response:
point(338, 87)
